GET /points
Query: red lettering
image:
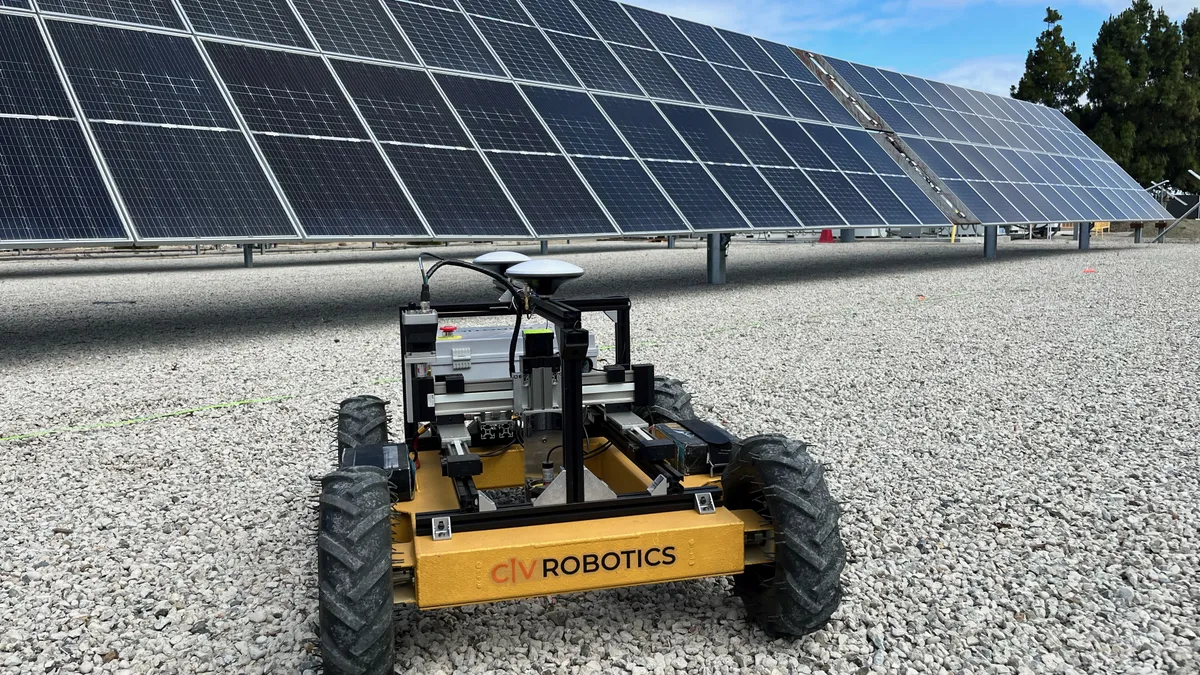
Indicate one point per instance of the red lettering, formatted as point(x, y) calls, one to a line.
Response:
point(496, 577)
point(528, 573)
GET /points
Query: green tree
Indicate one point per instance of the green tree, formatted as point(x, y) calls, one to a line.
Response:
point(1142, 105)
point(1052, 74)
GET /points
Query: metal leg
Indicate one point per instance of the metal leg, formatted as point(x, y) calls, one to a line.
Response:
point(671, 241)
point(990, 232)
point(847, 235)
point(1137, 234)
point(197, 249)
point(716, 260)
point(247, 255)
point(1085, 236)
point(545, 247)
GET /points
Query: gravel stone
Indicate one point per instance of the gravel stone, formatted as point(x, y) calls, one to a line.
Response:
point(1015, 445)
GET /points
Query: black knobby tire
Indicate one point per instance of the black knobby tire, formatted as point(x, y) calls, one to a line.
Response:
point(362, 420)
point(671, 402)
point(354, 572)
point(777, 477)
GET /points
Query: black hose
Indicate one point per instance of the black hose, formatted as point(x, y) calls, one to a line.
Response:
point(512, 345)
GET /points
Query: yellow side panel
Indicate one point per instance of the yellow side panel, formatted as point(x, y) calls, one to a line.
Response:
point(474, 567)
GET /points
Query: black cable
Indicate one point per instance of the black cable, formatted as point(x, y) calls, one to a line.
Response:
point(512, 345)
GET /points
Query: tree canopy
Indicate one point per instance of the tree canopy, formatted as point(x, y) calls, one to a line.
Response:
point(1138, 97)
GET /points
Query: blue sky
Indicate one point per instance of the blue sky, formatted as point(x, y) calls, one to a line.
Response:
point(975, 43)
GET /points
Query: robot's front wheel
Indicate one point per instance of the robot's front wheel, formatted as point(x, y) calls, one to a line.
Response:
point(777, 477)
point(354, 572)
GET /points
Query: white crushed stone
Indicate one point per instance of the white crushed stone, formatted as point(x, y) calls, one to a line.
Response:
point(1017, 455)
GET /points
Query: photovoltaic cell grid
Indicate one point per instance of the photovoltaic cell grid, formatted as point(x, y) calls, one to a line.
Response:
point(1040, 168)
point(624, 162)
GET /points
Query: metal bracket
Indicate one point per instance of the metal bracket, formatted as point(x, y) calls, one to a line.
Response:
point(659, 486)
point(704, 505)
point(441, 528)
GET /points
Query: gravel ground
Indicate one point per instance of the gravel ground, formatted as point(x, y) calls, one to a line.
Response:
point(1015, 445)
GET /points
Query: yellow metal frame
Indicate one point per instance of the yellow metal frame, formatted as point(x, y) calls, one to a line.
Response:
point(536, 560)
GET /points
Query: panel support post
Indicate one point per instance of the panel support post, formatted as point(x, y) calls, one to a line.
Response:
point(671, 241)
point(1085, 236)
point(247, 255)
point(847, 235)
point(990, 233)
point(545, 247)
point(716, 259)
point(1137, 232)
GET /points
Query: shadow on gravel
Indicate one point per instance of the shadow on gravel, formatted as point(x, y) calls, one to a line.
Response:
point(208, 315)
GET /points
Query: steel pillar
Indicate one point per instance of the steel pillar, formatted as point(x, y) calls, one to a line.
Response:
point(247, 255)
point(1137, 233)
point(545, 247)
point(671, 241)
point(716, 260)
point(1085, 236)
point(990, 233)
point(847, 235)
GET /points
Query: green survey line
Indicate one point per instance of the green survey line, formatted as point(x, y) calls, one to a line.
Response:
point(177, 413)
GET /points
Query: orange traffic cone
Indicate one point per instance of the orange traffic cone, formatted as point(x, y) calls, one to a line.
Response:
point(826, 237)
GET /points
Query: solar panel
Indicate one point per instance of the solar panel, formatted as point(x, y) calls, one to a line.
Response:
point(753, 139)
point(612, 22)
point(444, 39)
point(594, 64)
point(283, 92)
point(799, 193)
point(191, 183)
point(710, 44)
point(630, 195)
point(703, 134)
point(340, 188)
point(917, 200)
point(563, 98)
point(551, 195)
point(578, 124)
point(401, 105)
point(559, 15)
point(651, 70)
point(149, 12)
point(798, 144)
point(867, 146)
point(137, 76)
point(50, 188)
point(751, 54)
point(663, 32)
point(750, 90)
point(526, 53)
point(355, 28)
point(829, 106)
point(885, 202)
point(457, 193)
point(786, 59)
point(262, 20)
point(29, 84)
point(496, 115)
point(508, 10)
point(644, 128)
point(704, 81)
point(757, 201)
point(792, 98)
point(973, 201)
point(841, 193)
point(841, 152)
point(697, 196)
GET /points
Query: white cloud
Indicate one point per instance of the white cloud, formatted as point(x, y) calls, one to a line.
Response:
point(992, 74)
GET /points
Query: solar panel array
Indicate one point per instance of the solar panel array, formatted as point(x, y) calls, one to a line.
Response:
point(193, 120)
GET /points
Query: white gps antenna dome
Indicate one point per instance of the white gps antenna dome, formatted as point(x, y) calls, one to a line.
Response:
point(500, 261)
point(545, 276)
